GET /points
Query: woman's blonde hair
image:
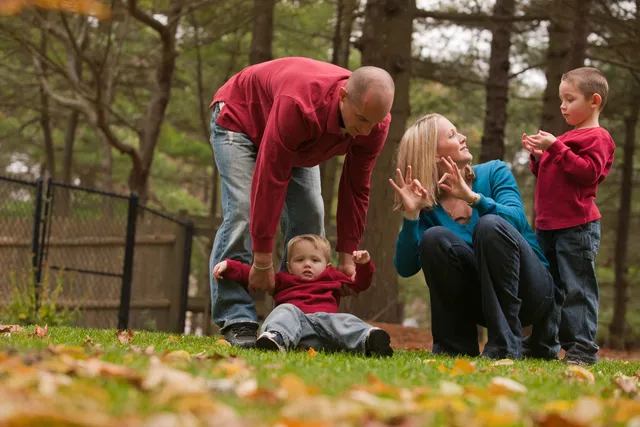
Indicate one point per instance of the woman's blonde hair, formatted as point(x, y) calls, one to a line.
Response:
point(419, 149)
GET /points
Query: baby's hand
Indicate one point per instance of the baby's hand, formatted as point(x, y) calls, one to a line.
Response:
point(219, 269)
point(361, 257)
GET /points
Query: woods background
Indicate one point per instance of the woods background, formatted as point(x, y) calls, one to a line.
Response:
point(122, 105)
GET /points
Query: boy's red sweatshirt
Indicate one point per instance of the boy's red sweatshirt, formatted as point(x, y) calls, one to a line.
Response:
point(569, 173)
point(319, 295)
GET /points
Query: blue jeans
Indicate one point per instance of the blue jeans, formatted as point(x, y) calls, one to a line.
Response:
point(498, 282)
point(322, 331)
point(235, 157)
point(572, 253)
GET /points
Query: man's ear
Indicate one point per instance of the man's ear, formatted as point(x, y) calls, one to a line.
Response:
point(596, 99)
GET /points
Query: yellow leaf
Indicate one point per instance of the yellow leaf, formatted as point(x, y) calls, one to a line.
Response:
point(582, 373)
point(179, 354)
point(312, 353)
point(502, 385)
point(462, 367)
point(503, 362)
point(557, 406)
point(172, 339)
point(492, 417)
point(293, 386)
point(626, 409)
point(443, 369)
point(222, 342)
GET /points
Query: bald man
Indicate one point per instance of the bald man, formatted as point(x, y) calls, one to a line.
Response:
point(272, 125)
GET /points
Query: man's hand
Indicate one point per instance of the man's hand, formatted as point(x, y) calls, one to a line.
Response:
point(348, 267)
point(262, 275)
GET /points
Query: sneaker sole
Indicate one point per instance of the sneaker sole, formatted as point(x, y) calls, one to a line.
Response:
point(379, 343)
point(264, 343)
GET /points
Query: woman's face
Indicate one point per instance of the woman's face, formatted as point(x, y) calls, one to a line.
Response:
point(452, 144)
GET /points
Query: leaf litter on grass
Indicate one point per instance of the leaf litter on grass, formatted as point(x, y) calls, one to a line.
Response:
point(66, 385)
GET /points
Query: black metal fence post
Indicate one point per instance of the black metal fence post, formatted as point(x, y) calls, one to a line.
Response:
point(186, 270)
point(37, 216)
point(127, 272)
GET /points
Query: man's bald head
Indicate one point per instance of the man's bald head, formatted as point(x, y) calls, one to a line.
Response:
point(366, 99)
point(366, 82)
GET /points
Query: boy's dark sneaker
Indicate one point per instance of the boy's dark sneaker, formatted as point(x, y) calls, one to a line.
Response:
point(269, 340)
point(241, 334)
point(378, 343)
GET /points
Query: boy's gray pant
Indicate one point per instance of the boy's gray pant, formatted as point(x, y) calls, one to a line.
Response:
point(322, 331)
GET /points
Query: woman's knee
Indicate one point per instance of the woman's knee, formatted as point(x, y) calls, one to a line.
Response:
point(489, 227)
point(434, 239)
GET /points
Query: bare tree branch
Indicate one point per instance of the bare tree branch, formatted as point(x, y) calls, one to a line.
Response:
point(149, 21)
point(477, 19)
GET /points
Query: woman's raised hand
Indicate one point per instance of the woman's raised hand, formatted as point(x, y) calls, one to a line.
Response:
point(412, 195)
point(453, 182)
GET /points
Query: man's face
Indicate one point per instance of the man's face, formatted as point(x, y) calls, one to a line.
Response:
point(360, 117)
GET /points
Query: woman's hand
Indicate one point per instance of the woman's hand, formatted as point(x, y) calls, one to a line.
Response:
point(453, 182)
point(412, 195)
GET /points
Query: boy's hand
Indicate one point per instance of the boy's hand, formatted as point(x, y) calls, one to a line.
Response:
point(527, 145)
point(361, 257)
point(541, 141)
point(219, 269)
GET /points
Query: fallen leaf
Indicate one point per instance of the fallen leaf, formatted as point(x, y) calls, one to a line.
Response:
point(41, 332)
point(312, 353)
point(427, 361)
point(123, 336)
point(179, 354)
point(582, 373)
point(448, 388)
point(462, 367)
point(172, 339)
point(503, 385)
point(503, 362)
point(626, 384)
point(4, 329)
point(247, 388)
point(293, 387)
point(222, 342)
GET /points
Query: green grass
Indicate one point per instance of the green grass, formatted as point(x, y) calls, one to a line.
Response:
point(333, 375)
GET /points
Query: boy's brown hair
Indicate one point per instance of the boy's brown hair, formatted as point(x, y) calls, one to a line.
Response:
point(319, 242)
point(589, 81)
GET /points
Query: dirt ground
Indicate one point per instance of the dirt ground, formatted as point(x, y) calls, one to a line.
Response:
point(409, 338)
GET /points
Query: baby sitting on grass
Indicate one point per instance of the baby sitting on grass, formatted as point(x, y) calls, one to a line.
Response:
point(307, 298)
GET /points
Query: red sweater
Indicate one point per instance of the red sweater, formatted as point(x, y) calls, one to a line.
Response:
point(289, 109)
point(569, 173)
point(319, 295)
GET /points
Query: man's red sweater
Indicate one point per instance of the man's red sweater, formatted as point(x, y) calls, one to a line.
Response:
point(321, 294)
point(569, 173)
point(289, 109)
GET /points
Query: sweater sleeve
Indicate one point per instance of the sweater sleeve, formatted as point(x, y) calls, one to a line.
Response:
point(506, 201)
point(286, 129)
point(587, 165)
point(407, 256)
point(364, 276)
point(534, 165)
point(237, 272)
point(353, 193)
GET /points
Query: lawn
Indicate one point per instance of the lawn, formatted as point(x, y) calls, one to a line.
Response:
point(71, 376)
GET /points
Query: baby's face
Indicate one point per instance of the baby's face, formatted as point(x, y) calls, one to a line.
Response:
point(306, 260)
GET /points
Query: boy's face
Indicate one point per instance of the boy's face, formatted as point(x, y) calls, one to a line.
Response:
point(306, 260)
point(575, 107)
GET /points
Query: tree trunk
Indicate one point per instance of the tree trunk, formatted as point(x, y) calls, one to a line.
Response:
point(492, 146)
point(617, 328)
point(106, 167)
point(154, 116)
point(345, 14)
point(386, 43)
point(45, 119)
point(262, 33)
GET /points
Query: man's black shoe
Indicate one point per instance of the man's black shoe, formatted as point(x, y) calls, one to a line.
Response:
point(241, 334)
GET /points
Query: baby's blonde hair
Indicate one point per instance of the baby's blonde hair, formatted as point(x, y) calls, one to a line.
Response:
point(419, 149)
point(319, 242)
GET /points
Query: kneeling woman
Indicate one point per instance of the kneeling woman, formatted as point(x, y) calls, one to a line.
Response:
point(466, 228)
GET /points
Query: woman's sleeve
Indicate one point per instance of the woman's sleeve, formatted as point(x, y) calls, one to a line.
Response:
point(407, 257)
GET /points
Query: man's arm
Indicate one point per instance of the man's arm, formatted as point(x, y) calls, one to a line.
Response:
point(353, 193)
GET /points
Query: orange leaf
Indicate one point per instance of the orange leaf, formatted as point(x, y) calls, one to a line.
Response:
point(173, 338)
point(502, 385)
point(582, 373)
point(462, 367)
point(312, 353)
point(10, 328)
point(222, 342)
point(124, 336)
point(41, 332)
